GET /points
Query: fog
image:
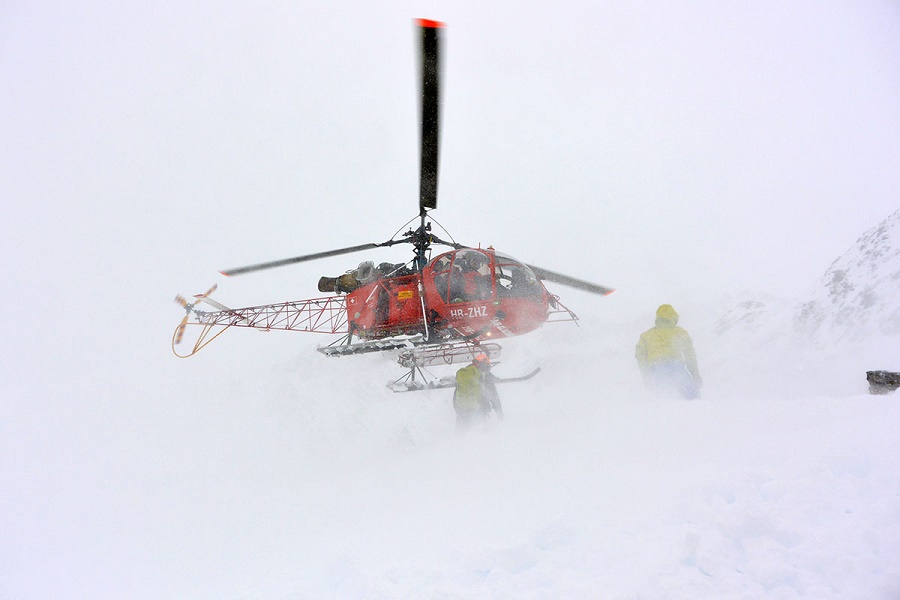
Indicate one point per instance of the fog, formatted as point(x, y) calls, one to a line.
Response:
point(679, 153)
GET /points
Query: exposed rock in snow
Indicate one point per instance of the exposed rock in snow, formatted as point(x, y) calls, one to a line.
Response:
point(848, 324)
point(859, 294)
point(857, 298)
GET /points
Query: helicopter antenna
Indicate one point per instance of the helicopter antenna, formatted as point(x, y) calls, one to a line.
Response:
point(444, 229)
point(405, 225)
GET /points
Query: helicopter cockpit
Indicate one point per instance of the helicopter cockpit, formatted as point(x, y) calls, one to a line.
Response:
point(469, 275)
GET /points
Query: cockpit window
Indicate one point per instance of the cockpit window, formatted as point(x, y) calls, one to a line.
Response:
point(441, 274)
point(514, 279)
point(470, 277)
point(441, 263)
point(466, 276)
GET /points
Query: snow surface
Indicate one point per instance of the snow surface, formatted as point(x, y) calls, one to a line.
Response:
point(316, 482)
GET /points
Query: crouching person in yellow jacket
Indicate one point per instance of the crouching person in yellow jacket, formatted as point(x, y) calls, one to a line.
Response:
point(476, 394)
point(666, 357)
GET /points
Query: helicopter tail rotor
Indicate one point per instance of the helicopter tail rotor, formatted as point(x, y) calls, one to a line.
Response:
point(188, 309)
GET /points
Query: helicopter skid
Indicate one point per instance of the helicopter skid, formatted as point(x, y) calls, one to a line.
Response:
point(416, 359)
point(366, 347)
point(408, 383)
point(447, 354)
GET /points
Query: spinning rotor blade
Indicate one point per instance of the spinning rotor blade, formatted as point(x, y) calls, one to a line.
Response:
point(297, 259)
point(179, 333)
point(214, 287)
point(206, 298)
point(189, 308)
point(579, 284)
point(428, 174)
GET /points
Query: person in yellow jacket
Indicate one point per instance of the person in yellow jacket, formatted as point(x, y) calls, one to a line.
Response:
point(476, 394)
point(666, 357)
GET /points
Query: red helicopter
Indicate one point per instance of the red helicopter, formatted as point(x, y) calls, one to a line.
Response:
point(439, 310)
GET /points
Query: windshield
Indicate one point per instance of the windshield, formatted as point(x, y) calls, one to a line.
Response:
point(514, 279)
point(466, 276)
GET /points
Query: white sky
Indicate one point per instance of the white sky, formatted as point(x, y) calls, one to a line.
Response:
point(663, 149)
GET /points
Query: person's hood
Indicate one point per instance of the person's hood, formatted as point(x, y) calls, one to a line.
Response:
point(666, 315)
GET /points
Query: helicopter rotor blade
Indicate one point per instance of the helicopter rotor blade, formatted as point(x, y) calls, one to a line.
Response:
point(179, 332)
point(297, 259)
point(430, 115)
point(214, 287)
point(585, 286)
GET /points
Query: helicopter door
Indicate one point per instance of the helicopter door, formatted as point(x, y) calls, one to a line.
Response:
point(441, 276)
point(382, 306)
point(470, 277)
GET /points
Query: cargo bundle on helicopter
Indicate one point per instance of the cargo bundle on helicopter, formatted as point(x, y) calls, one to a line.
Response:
point(439, 310)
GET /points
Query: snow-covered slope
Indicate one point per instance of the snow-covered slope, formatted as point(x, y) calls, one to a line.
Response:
point(859, 294)
point(856, 298)
point(847, 324)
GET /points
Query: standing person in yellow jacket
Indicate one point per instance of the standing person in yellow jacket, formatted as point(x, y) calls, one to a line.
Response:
point(666, 357)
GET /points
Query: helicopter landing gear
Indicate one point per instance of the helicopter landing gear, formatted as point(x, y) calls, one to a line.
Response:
point(416, 359)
